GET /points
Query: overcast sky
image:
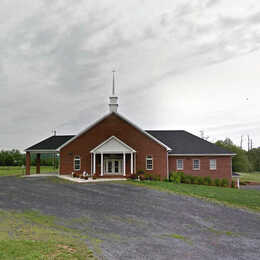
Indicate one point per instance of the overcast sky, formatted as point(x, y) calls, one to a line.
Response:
point(192, 65)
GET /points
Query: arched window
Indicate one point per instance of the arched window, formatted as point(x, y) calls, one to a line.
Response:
point(77, 163)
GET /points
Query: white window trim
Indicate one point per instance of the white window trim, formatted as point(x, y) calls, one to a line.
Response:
point(148, 158)
point(213, 169)
point(195, 169)
point(77, 157)
point(177, 168)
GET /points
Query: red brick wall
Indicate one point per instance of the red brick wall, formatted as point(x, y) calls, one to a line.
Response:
point(224, 166)
point(113, 125)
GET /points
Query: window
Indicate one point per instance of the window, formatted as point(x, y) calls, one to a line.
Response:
point(149, 162)
point(76, 163)
point(213, 164)
point(196, 164)
point(179, 164)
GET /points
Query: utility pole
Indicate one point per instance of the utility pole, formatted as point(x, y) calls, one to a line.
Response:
point(248, 142)
point(241, 142)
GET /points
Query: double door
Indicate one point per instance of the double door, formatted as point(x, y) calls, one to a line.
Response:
point(113, 166)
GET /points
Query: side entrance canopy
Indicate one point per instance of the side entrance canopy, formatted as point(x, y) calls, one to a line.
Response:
point(49, 145)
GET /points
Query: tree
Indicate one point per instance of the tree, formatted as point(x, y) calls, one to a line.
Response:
point(254, 158)
point(240, 161)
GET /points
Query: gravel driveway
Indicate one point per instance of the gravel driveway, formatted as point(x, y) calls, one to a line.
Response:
point(139, 223)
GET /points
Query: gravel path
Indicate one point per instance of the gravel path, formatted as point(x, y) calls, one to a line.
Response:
point(139, 223)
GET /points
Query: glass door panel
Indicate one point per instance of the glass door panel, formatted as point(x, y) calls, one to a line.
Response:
point(109, 166)
point(116, 166)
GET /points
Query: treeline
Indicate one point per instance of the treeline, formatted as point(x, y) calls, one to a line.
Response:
point(244, 161)
point(16, 158)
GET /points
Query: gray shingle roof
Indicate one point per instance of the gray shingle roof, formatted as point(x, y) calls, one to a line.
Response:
point(51, 143)
point(183, 142)
point(180, 141)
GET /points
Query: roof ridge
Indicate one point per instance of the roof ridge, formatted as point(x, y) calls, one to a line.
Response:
point(166, 130)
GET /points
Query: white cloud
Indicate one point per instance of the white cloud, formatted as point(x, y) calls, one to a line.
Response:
point(56, 60)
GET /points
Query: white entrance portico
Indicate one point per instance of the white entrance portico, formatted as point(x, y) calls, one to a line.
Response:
point(113, 153)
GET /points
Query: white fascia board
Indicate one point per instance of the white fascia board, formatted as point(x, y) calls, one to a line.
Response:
point(83, 131)
point(144, 132)
point(117, 139)
point(209, 154)
point(123, 118)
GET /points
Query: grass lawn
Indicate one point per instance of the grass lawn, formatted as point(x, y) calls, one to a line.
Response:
point(17, 170)
point(30, 236)
point(251, 177)
point(249, 199)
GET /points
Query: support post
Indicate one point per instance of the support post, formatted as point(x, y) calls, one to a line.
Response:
point(91, 163)
point(124, 173)
point(102, 166)
point(38, 163)
point(94, 163)
point(132, 163)
point(28, 163)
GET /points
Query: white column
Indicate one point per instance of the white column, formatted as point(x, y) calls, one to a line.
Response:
point(91, 163)
point(102, 167)
point(94, 163)
point(135, 163)
point(132, 163)
point(124, 164)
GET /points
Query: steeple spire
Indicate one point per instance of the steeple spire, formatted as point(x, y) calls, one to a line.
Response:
point(113, 100)
point(113, 89)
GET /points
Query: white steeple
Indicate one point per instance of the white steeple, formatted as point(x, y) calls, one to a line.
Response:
point(113, 100)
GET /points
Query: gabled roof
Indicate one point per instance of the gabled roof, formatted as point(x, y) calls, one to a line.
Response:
point(113, 144)
point(123, 118)
point(184, 143)
point(50, 144)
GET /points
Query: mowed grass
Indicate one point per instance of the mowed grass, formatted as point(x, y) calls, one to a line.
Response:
point(248, 199)
point(250, 177)
point(30, 235)
point(18, 170)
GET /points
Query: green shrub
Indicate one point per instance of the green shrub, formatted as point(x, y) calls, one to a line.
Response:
point(195, 180)
point(147, 176)
point(182, 175)
point(187, 179)
point(207, 181)
point(200, 180)
point(233, 184)
point(171, 176)
point(175, 177)
point(224, 183)
point(155, 177)
point(217, 182)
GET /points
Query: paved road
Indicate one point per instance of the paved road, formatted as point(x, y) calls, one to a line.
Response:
point(250, 187)
point(138, 223)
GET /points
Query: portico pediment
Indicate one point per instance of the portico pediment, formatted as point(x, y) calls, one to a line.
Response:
point(113, 145)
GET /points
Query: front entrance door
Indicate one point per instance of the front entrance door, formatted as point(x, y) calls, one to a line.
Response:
point(113, 166)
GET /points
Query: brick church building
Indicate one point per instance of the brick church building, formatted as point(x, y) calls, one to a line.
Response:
point(114, 146)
